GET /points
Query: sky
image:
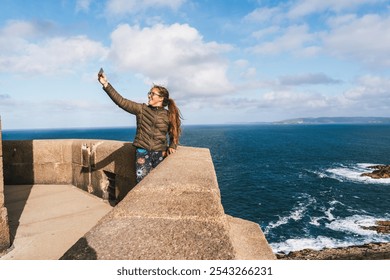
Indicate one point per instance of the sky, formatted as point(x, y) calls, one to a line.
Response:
point(223, 61)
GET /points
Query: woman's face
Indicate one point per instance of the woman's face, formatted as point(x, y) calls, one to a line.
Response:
point(154, 98)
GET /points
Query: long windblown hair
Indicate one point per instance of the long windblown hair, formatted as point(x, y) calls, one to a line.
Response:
point(174, 114)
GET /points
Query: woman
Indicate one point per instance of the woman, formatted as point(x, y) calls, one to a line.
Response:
point(155, 125)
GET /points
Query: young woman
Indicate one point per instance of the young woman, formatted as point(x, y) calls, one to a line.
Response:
point(155, 125)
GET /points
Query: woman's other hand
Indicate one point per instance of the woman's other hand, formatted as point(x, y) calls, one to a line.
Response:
point(171, 151)
point(103, 79)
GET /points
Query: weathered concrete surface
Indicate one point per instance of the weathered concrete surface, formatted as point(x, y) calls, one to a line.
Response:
point(4, 228)
point(249, 241)
point(63, 162)
point(174, 213)
point(45, 220)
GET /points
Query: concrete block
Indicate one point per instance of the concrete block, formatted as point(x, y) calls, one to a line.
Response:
point(48, 151)
point(124, 185)
point(1, 178)
point(18, 173)
point(80, 177)
point(76, 151)
point(52, 173)
point(4, 227)
point(17, 152)
point(191, 165)
point(171, 203)
point(141, 238)
point(248, 240)
point(114, 156)
point(1, 141)
point(4, 230)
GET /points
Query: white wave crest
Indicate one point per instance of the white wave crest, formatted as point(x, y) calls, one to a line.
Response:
point(352, 225)
point(296, 214)
point(318, 243)
point(353, 173)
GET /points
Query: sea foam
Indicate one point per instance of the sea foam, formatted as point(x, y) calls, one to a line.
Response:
point(353, 173)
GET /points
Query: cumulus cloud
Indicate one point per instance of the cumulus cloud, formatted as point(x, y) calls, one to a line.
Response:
point(174, 55)
point(307, 79)
point(347, 33)
point(123, 7)
point(365, 39)
point(370, 87)
point(24, 49)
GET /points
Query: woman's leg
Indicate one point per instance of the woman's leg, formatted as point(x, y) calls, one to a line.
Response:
point(143, 164)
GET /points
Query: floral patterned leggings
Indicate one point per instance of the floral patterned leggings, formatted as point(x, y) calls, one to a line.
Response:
point(146, 161)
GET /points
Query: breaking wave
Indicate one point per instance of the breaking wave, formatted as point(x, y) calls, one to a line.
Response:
point(352, 173)
point(352, 225)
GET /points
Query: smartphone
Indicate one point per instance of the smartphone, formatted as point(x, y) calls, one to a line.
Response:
point(101, 72)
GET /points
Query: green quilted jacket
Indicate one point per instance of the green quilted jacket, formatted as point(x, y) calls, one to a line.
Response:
point(152, 122)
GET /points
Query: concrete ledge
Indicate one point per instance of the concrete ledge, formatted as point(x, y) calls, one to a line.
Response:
point(174, 213)
point(4, 228)
point(249, 241)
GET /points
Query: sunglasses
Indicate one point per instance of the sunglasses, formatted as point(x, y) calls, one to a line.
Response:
point(151, 94)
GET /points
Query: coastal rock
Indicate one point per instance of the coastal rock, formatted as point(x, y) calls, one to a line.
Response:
point(380, 227)
point(380, 172)
point(372, 251)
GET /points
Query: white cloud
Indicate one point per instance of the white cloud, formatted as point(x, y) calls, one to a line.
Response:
point(174, 55)
point(265, 15)
point(307, 79)
point(83, 5)
point(123, 7)
point(307, 7)
point(294, 38)
point(284, 99)
point(370, 87)
point(365, 39)
point(25, 49)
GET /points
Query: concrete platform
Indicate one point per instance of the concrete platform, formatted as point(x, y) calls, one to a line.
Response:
point(46, 220)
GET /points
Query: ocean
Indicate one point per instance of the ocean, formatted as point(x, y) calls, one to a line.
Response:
point(300, 183)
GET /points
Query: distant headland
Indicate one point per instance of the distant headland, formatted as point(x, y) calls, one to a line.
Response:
point(337, 120)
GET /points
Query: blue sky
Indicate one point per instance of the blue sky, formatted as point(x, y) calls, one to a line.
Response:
point(223, 61)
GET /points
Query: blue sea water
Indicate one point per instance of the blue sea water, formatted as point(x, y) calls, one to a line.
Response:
point(300, 183)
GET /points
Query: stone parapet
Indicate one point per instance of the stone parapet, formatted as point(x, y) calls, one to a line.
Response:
point(4, 227)
point(174, 213)
point(96, 166)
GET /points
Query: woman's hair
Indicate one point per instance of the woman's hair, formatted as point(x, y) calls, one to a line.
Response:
point(173, 114)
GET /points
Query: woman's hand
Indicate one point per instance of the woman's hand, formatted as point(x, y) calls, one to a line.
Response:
point(171, 151)
point(103, 79)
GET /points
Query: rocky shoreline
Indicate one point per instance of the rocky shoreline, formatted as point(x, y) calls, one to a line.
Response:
point(380, 172)
point(371, 251)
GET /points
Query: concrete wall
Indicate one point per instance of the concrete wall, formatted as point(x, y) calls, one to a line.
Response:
point(174, 213)
point(4, 229)
point(92, 165)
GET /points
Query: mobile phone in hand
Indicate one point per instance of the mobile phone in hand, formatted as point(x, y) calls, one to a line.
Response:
point(101, 72)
